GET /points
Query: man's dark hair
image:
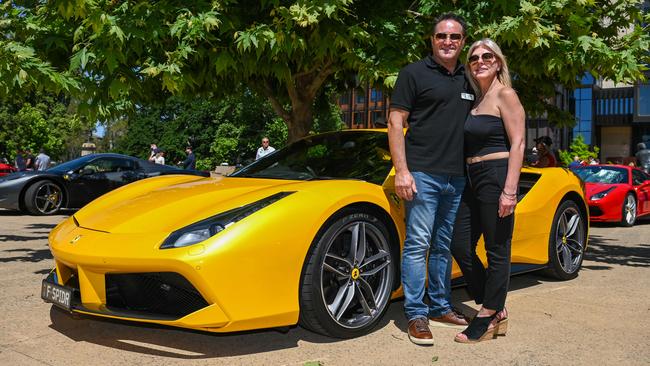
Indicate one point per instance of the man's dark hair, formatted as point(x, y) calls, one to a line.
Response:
point(450, 16)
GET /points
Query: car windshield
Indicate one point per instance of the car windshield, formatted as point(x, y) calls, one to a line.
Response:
point(602, 174)
point(70, 165)
point(362, 155)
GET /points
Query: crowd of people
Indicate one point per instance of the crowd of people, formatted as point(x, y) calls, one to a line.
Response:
point(26, 161)
point(157, 155)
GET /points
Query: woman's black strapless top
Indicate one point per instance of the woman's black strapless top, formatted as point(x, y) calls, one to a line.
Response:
point(485, 134)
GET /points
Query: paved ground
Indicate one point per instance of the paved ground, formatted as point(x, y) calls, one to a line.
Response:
point(602, 318)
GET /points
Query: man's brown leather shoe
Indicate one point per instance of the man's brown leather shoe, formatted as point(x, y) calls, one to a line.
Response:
point(450, 320)
point(419, 332)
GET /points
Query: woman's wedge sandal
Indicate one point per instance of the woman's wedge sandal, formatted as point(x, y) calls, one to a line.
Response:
point(479, 330)
point(502, 322)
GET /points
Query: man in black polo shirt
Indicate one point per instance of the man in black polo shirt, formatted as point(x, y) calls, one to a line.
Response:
point(431, 98)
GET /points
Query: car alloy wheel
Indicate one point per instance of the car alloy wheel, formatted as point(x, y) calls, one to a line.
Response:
point(567, 241)
point(629, 210)
point(355, 281)
point(349, 278)
point(43, 198)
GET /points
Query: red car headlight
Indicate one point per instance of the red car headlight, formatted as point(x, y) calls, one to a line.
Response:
point(600, 195)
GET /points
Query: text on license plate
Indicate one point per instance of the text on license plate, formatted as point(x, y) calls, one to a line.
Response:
point(56, 294)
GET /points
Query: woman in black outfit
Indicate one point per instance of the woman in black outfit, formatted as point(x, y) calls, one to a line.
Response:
point(494, 151)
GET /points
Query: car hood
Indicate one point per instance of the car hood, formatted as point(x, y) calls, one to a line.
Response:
point(593, 188)
point(24, 174)
point(166, 208)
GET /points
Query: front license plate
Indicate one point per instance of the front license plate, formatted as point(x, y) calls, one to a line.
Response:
point(58, 295)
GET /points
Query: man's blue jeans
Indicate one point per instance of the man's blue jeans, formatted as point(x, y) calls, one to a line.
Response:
point(430, 220)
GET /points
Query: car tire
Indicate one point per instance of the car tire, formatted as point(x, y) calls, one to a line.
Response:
point(43, 198)
point(628, 214)
point(345, 292)
point(567, 241)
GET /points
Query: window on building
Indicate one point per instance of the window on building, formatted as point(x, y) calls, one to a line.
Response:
point(375, 95)
point(600, 107)
point(359, 118)
point(345, 117)
point(378, 118)
point(361, 98)
point(583, 111)
point(643, 100)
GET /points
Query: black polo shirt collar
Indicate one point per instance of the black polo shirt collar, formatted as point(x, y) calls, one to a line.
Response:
point(431, 63)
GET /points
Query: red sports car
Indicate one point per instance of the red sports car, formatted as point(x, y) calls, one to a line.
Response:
point(6, 169)
point(616, 193)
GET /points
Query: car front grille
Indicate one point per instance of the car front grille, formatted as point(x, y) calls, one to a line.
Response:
point(156, 293)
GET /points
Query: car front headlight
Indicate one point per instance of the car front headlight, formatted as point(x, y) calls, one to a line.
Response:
point(602, 194)
point(207, 228)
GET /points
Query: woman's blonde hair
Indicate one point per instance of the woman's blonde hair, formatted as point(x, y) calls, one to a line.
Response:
point(503, 75)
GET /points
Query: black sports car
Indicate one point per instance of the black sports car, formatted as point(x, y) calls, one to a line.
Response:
point(77, 182)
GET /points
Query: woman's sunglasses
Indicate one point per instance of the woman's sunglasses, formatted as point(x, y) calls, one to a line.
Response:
point(486, 57)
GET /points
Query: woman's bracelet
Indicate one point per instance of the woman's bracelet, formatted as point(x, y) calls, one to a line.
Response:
point(510, 195)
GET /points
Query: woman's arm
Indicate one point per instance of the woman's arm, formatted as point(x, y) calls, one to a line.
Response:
point(514, 120)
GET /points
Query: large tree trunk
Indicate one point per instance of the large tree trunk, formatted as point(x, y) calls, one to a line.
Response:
point(302, 119)
point(301, 89)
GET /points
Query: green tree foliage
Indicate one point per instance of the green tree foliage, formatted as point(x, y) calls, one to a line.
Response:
point(580, 149)
point(551, 42)
point(226, 142)
point(127, 53)
point(42, 121)
point(228, 130)
point(22, 67)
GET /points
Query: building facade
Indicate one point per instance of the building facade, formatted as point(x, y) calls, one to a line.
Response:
point(368, 107)
point(365, 107)
point(613, 117)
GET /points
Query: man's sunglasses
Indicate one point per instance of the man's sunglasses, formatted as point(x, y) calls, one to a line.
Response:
point(452, 36)
point(486, 57)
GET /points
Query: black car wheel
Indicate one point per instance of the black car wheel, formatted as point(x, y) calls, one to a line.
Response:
point(348, 277)
point(43, 198)
point(567, 241)
point(629, 211)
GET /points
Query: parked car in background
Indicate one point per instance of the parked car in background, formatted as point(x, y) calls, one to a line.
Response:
point(616, 193)
point(77, 182)
point(6, 169)
point(310, 234)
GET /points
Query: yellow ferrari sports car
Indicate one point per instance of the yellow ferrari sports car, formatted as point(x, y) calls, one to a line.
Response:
point(309, 235)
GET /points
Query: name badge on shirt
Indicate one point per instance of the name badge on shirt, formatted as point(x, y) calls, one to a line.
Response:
point(467, 96)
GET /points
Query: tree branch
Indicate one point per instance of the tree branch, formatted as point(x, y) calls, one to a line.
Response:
point(291, 89)
point(320, 78)
point(265, 87)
